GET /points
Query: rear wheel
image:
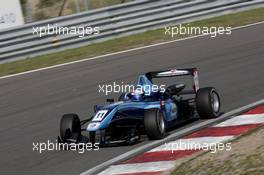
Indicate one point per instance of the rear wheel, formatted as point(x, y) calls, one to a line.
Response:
point(70, 128)
point(207, 103)
point(154, 124)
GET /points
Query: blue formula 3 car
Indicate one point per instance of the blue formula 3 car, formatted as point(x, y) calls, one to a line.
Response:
point(146, 110)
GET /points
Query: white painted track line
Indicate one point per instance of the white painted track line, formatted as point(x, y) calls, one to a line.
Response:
point(139, 167)
point(116, 53)
point(243, 120)
point(191, 143)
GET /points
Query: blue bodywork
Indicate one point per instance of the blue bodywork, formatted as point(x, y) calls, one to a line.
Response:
point(135, 108)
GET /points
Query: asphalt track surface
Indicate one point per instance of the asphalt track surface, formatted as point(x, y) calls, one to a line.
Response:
point(31, 105)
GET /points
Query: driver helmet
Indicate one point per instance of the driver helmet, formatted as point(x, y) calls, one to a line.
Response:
point(137, 95)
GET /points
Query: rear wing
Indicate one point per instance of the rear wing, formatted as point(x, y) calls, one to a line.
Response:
point(176, 72)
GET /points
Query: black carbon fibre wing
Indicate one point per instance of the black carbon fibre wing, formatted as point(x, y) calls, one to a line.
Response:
point(176, 72)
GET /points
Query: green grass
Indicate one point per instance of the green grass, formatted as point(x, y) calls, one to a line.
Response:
point(94, 4)
point(133, 41)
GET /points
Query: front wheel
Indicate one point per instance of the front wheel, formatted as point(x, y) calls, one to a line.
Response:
point(207, 103)
point(154, 124)
point(70, 128)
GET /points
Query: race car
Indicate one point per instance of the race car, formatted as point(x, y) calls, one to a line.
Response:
point(146, 110)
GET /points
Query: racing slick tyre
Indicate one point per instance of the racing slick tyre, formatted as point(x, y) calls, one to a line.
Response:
point(154, 124)
point(207, 103)
point(70, 128)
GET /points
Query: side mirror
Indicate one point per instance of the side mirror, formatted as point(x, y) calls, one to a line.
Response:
point(110, 100)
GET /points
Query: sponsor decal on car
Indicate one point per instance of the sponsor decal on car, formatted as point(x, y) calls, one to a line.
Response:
point(99, 116)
